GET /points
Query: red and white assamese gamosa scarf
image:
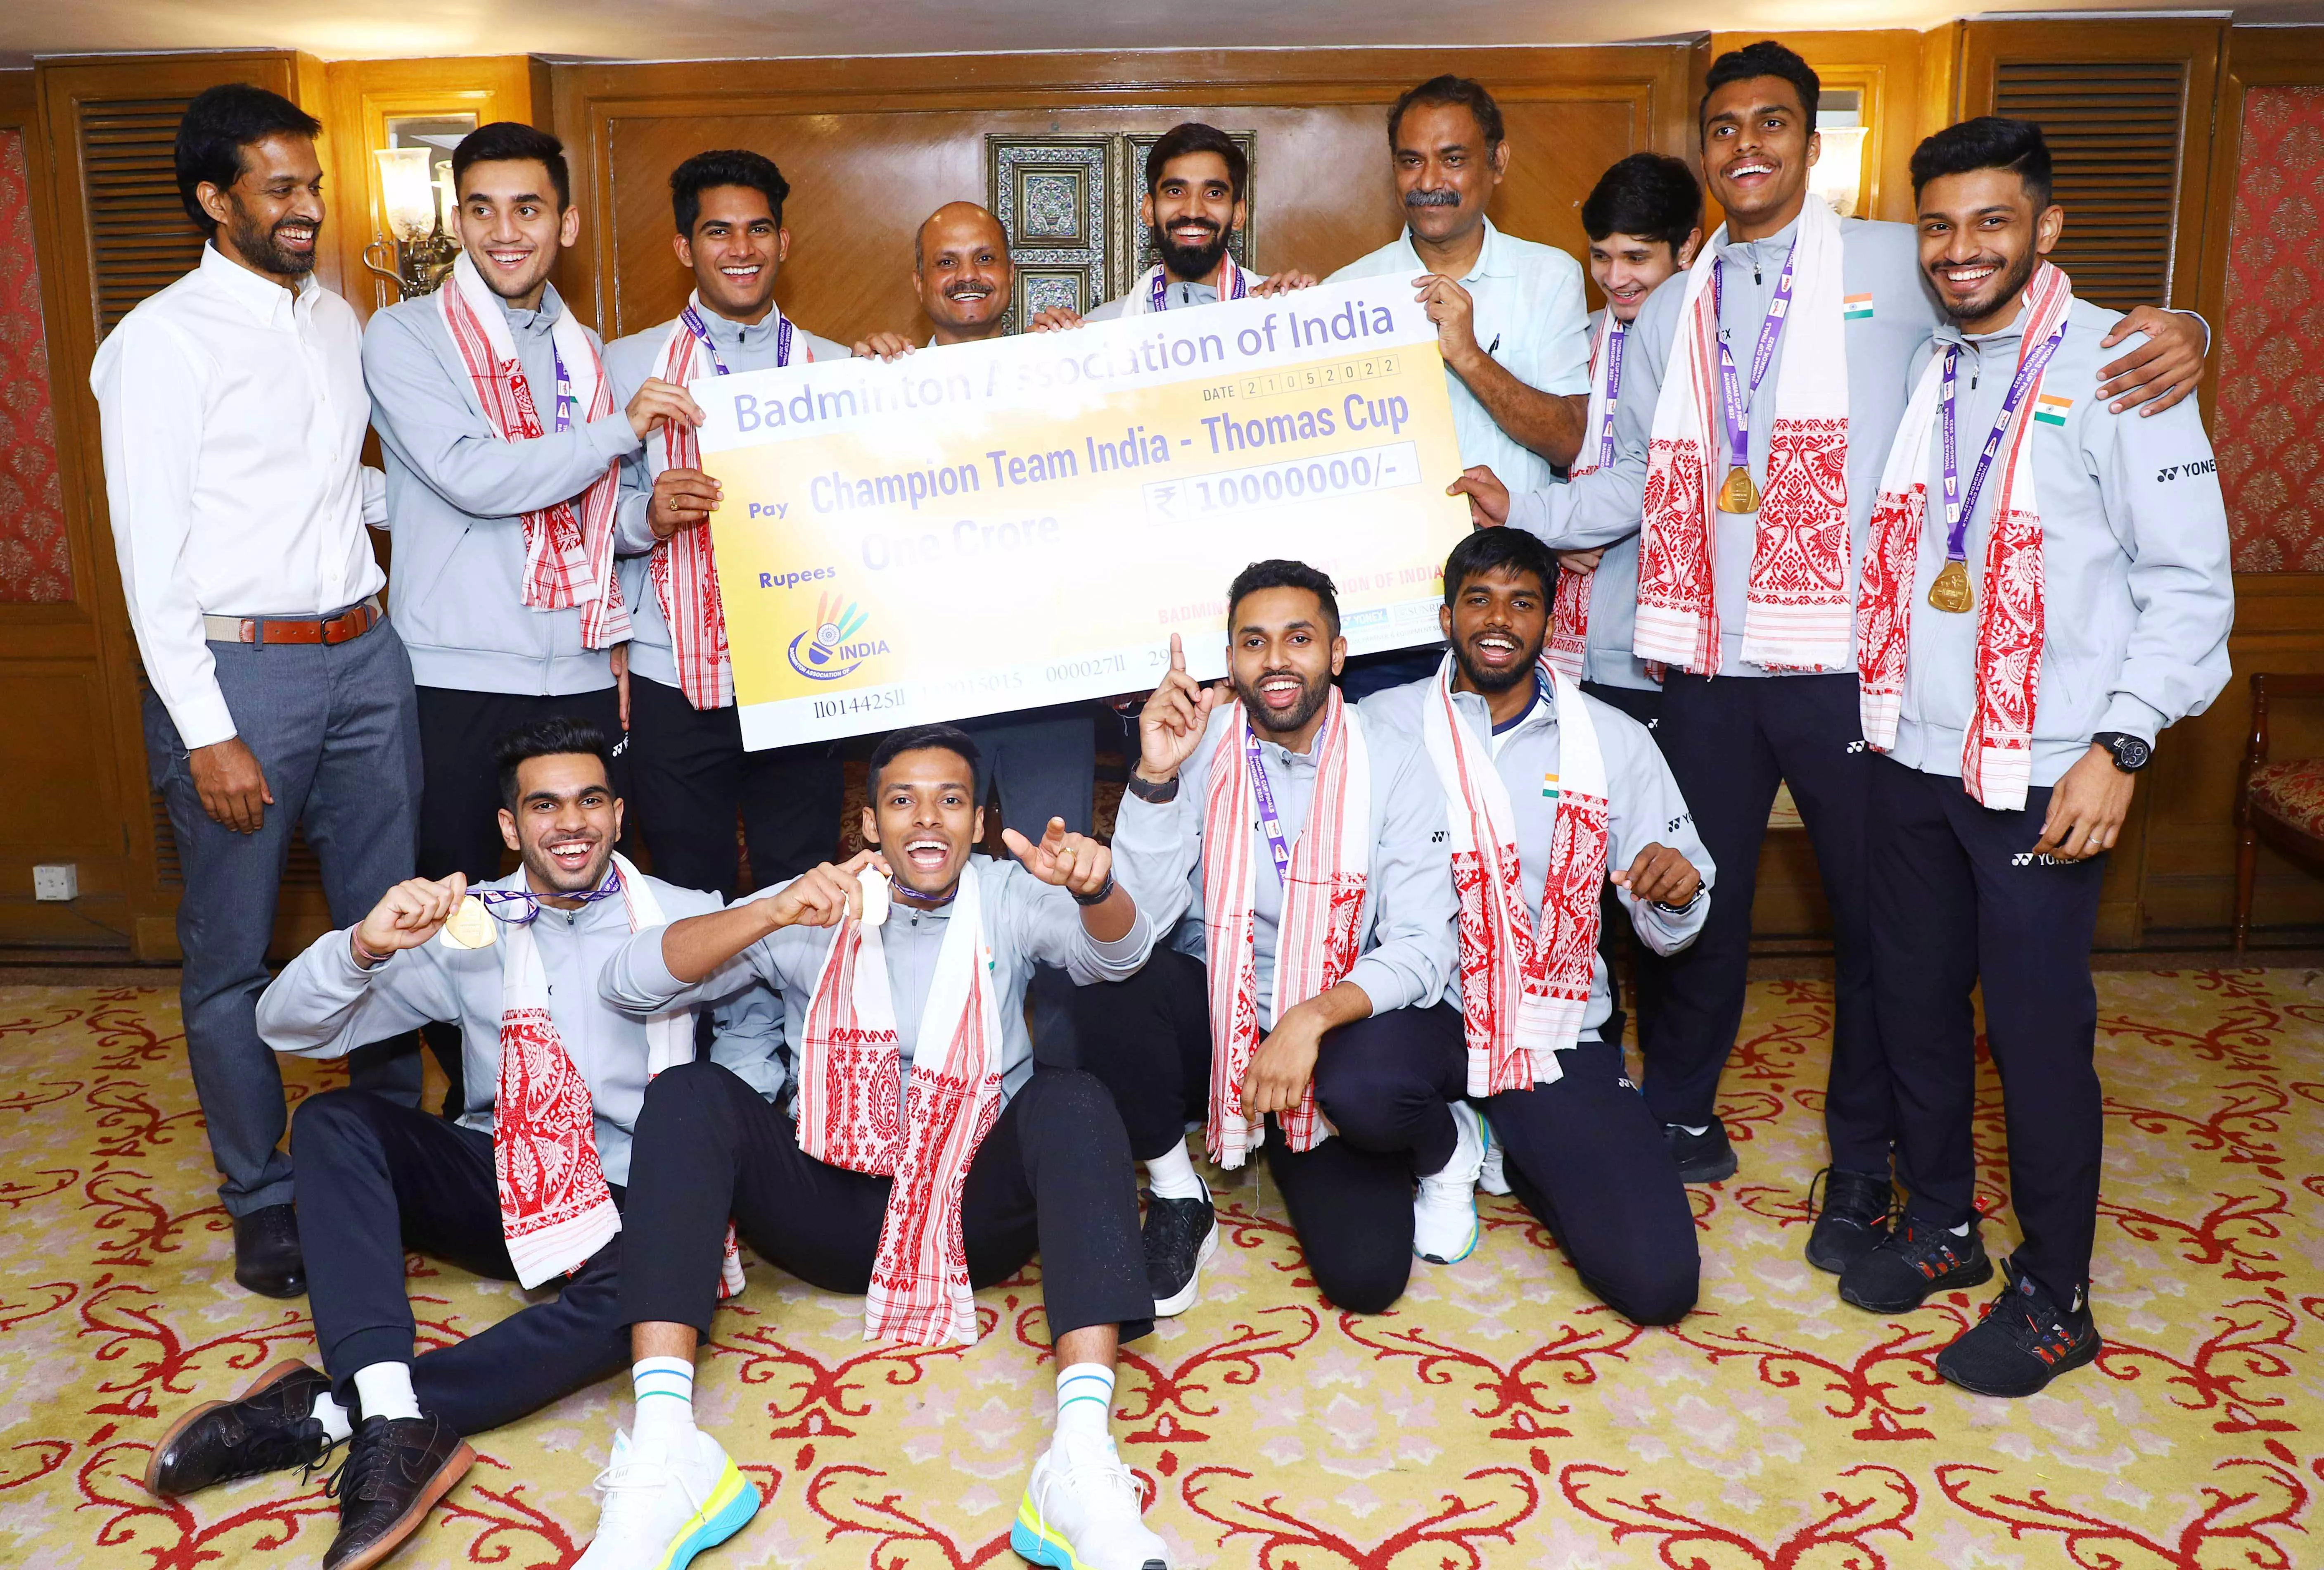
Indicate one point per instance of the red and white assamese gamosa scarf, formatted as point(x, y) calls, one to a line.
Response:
point(684, 568)
point(568, 555)
point(1524, 987)
point(1569, 611)
point(556, 1210)
point(1316, 936)
point(850, 1086)
point(1997, 753)
point(1795, 609)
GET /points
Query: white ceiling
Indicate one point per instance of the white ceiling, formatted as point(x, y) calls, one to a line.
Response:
point(729, 29)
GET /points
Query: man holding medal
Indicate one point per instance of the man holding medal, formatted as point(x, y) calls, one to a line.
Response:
point(1197, 179)
point(527, 1185)
point(1767, 386)
point(693, 775)
point(2046, 588)
point(923, 1154)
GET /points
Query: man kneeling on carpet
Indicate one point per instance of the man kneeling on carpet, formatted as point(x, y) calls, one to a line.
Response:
point(1305, 993)
point(526, 1184)
point(912, 944)
point(1541, 783)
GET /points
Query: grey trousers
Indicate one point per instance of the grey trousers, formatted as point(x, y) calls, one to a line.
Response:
point(1045, 762)
point(336, 731)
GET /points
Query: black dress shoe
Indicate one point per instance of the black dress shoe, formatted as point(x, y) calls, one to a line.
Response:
point(396, 1468)
point(1704, 1157)
point(1853, 1219)
point(270, 1427)
point(2023, 1343)
point(1180, 1236)
point(266, 1256)
point(1913, 1263)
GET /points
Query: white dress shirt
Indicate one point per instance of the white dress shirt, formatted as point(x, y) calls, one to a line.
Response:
point(1530, 317)
point(233, 415)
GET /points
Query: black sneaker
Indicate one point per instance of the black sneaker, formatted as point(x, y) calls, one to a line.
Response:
point(2023, 1343)
point(1181, 1235)
point(269, 1428)
point(1899, 1272)
point(1704, 1157)
point(395, 1471)
point(1854, 1217)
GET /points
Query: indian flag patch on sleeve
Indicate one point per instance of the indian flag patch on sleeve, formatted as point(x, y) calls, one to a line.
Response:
point(2051, 409)
point(1549, 787)
point(1855, 307)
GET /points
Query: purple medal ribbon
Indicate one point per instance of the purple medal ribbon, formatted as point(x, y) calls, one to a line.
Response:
point(1614, 338)
point(701, 331)
point(565, 399)
point(1156, 298)
point(1270, 822)
point(1733, 401)
point(1961, 506)
point(488, 898)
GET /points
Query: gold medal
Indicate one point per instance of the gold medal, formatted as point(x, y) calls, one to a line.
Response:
point(1739, 494)
point(1951, 592)
point(470, 926)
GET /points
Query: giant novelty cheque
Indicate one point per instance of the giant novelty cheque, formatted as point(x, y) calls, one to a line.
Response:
point(1001, 525)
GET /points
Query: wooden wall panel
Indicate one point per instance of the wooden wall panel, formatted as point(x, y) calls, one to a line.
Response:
point(871, 147)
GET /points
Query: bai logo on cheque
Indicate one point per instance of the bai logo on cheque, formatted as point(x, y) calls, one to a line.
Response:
point(830, 649)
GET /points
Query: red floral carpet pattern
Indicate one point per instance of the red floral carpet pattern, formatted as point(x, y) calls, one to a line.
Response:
point(1499, 1417)
point(36, 562)
point(2270, 419)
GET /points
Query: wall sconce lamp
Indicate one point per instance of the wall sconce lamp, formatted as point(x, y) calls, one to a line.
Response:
point(416, 246)
point(1837, 176)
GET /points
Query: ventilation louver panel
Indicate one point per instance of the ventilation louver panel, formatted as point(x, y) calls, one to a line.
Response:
point(2114, 131)
point(139, 236)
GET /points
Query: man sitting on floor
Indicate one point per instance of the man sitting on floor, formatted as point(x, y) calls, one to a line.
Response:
point(1540, 784)
point(1308, 851)
point(527, 1185)
point(990, 1160)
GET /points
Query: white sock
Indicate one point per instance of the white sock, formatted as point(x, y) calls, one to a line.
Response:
point(1960, 1231)
point(1172, 1176)
point(1698, 1133)
point(384, 1390)
point(332, 1416)
point(1085, 1401)
point(665, 1393)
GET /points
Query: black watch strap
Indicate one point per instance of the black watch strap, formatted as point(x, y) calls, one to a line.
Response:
point(2131, 753)
point(1146, 790)
point(1103, 893)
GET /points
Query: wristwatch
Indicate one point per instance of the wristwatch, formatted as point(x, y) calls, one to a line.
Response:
point(1147, 789)
point(1103, 893)
point(2131, 752)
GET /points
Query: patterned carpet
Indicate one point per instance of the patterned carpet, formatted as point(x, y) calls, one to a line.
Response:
point(1499, 1417)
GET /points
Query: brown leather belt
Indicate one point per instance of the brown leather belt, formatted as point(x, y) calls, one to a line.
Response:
point(350, 623)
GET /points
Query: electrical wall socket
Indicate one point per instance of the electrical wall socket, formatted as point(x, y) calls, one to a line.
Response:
point(57, 880)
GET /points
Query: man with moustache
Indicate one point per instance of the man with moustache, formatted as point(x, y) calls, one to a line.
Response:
point(2030, 619)
point(1299, 1006)
point(693, 775)
point(1043, 762)
point(1511, 319)
point(232, 414)
point(1544, 789)
point(528, 1184)
point(503, 445)
point(1775, 371)
point(1198, 186)
point(904, 973)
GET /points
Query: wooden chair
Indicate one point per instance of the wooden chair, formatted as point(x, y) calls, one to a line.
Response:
point(2280, 801)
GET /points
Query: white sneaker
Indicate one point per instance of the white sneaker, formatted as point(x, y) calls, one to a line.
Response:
point(1491, 1177)
point(1080, 1512)
point(1444, 1210)
point(663, 1508)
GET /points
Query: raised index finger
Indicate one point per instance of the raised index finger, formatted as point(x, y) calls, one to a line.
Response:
point(1177, 653)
